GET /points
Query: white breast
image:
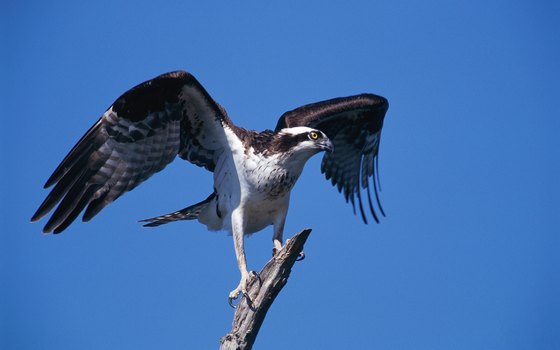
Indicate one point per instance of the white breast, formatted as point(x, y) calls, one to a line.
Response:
point(259, 185)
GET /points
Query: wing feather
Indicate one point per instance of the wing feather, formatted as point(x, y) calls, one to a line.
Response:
point(354, 126)
point(138, 135)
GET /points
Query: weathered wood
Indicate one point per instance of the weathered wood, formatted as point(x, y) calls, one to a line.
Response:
point(248, 318)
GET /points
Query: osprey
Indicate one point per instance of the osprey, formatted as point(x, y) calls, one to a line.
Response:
point(254, 172)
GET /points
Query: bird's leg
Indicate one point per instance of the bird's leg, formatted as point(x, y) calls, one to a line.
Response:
point(237, 233)
point(277, 236)
point(277, 246)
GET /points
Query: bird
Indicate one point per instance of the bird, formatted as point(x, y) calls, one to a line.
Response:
point(253, 172)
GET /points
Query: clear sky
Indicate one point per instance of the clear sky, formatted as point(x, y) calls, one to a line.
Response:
point(467, 257)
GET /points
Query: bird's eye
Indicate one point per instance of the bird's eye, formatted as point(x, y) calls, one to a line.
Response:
point(313, 135)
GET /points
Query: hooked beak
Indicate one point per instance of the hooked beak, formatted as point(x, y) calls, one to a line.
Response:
point(326, 145)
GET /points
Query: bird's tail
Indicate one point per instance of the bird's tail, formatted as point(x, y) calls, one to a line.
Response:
point(188, 213)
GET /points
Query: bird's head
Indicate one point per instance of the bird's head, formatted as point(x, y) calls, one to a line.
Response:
point(303, 141)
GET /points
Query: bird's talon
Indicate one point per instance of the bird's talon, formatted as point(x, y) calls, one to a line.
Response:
point(301, 256)
point(242, 289)
point(249, 301)
point(233, 296)
point(255, 274)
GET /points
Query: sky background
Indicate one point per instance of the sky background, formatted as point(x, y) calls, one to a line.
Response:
point(467, 257)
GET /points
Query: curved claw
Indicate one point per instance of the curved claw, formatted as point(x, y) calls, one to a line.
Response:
point(301, 256)
point(243, 294)
point(255, 274)
point(234, 295)
point(249, 301)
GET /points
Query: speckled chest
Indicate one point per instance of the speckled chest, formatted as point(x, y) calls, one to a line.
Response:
point(268, 177)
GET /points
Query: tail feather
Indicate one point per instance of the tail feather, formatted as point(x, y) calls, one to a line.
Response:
point(188, 213)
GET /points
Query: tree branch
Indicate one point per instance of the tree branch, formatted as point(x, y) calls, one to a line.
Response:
point(248, 318)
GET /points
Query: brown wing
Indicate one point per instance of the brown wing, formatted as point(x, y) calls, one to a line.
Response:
point(354, 126)
point(137, 136)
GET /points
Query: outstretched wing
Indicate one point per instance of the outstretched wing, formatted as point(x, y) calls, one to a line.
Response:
point(136, 137)
point(354, 126)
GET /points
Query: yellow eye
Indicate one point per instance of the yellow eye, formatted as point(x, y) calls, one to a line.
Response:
point(314, 135)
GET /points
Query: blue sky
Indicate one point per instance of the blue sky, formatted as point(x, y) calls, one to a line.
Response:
point(467, 257)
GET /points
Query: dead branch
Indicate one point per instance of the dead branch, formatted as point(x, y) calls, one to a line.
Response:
point(249, 317)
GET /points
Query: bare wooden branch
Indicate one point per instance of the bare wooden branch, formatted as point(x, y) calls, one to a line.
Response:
point(249, 317)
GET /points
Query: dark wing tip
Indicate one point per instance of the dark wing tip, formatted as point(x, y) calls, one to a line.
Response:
point(153, 222)
point(35, 217)
point(51, 181)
